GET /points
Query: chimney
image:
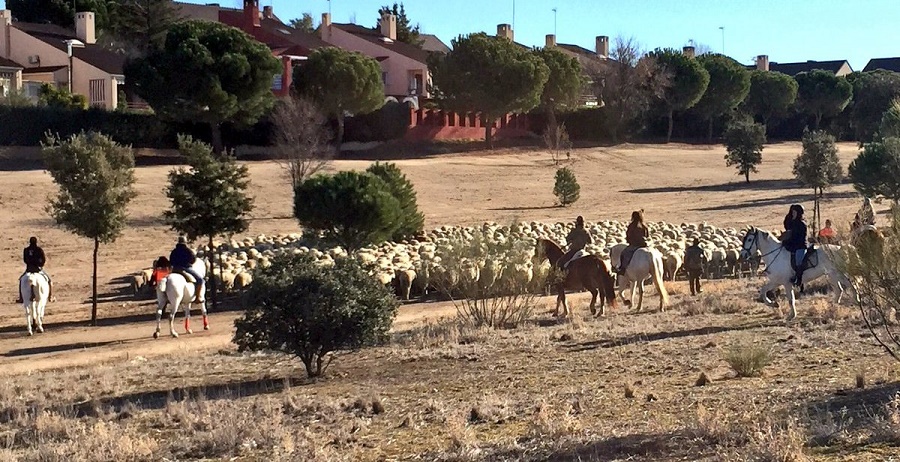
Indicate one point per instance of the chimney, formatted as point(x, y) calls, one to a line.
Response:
point(325, 30)
point(84, 27)
point(268, 13)
point(5, 26)
point(251, 13)
point(762, 62)
point(551, 41)
point(389, 26)
point(602, 46)
point(505, 31)
point(688, 51)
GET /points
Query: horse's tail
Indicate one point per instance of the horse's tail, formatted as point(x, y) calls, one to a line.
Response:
point(607, 281)
point(656, 269)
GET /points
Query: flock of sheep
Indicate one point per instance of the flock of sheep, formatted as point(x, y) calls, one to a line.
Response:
point(451, 258)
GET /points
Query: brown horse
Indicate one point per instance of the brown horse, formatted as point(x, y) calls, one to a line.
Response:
point(589, 273)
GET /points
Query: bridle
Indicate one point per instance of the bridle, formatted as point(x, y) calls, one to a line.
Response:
point(745, 250)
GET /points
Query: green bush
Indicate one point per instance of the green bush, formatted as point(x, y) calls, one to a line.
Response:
point(412, 222)
point(890, 121)
point(748, 360)
point(566, 188)
point(350, 209)
point(302, 308)
point(61, 98)
point(744, 140)
point(876, 171)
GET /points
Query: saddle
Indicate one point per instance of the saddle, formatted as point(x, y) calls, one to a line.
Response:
point(579, 254)
point(187, 277)
point(811, 259)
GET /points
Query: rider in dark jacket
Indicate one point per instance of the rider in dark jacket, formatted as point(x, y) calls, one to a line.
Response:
point(636, 236)
point(577, 239)
point(181, 259)
point(795, 240)
point(34, 259)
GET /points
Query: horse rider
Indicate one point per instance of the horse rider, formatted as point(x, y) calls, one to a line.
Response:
point(636, 236)
point(34, 263)
point(577, 239)
point(795, 241)
point(182, 259)
point(161, 269)
point(694, 258)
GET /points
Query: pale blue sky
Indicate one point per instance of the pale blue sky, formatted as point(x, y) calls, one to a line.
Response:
point(786, 30)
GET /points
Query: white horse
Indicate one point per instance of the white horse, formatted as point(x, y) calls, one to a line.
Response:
point(175, 290)
point(35, 290)
point(646, 263)
point(780, 272)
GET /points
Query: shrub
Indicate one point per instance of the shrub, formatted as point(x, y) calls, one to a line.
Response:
point(61, 98)
point(310, 311)
point(556, 139)
point(351, 209)
point(876, 171)
point(487, 279)
point(890, 122)
point(566, 188)
point(411, 221)
point(748, 360)
point(744, 140)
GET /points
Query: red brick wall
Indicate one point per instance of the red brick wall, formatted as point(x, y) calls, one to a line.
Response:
point(435, 124)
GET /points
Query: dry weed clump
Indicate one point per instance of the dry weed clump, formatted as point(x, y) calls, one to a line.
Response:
point(748, 360)
point(774, 443)
point(886, 427)
point(555, 424)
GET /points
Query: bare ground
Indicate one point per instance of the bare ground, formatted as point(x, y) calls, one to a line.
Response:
point(547, 391)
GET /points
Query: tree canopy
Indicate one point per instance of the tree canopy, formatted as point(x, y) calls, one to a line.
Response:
point(143, 24)
point(818, 166)
point(771, 94)
point(729, 83)
point(350, 209)
point(304, 23)
point(340, 81)
point(688, 80)
point(406, 32)
point(744, 142)
point(873, 93)
point(95, 176)
point(60, 12)
point(412, 221)
point(565, 80)
point(822, 94)
point(876, 171)
point(206, 72)
point(491, 75)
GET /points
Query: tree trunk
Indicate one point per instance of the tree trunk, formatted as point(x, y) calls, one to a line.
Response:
point(818, 119)
point(216, 135)
point(709, 133)
point(747, 175)
point(339, 136)
point(671, 124)
point(94, 284)
point(212, 280)
point(488, 130)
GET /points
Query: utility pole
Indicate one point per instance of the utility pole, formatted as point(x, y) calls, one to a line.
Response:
point(514, 16)
point(722, 28)
point(554, 21)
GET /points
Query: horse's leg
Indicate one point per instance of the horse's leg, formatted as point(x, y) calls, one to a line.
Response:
point(205, 318)
point(640, 304)
point(768, 286)
point(187, 316)
point(791, 301)
point(594, 292)
point(177, 305)
point(39, 317)
point(28, 314)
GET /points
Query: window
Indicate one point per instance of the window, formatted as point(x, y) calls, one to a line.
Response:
point(97, 92)
point(32, 89)
point(277, 83)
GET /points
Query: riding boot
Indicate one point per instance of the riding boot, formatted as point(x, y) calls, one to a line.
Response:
point(197, 293)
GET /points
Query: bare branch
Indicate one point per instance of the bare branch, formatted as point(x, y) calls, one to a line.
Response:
point(301, 139)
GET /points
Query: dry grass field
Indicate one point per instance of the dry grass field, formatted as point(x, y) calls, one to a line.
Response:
point(630, 386)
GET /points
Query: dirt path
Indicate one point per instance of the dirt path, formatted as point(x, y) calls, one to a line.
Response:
point(62, 347)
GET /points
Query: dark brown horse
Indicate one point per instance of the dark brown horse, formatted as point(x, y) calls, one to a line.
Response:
point(590, 273)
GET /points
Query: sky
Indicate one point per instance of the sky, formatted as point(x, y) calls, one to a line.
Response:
point(785, 30)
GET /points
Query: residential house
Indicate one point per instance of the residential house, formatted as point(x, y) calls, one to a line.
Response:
point(839, 67)
point(589, 60)
point(42, 51)
point(10, 76)
point(404, 67)
point(291, 46)
point(885, 64)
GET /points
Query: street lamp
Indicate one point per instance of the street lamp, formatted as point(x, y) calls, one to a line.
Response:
point(70, 44)
point(722, 28)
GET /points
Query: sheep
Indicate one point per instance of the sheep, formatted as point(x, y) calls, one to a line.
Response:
point(404, 280)
point(671, 265)
point(242, 281)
